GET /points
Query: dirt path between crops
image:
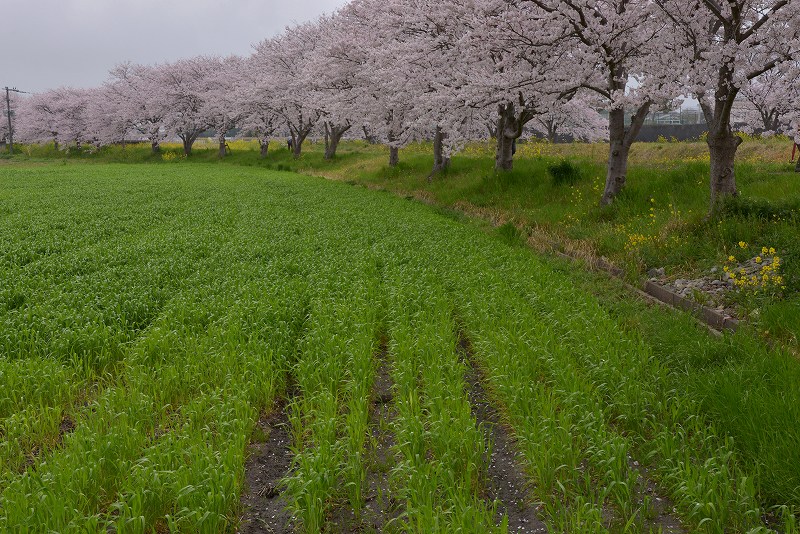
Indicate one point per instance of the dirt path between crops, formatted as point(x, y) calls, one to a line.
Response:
point(662, 517)
point(380, 506)
point(506, 481)
point(268, 462)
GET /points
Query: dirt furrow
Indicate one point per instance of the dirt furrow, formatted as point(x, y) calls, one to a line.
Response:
point(269, 460)
point(658, 510)
point(380, 507)
point(506, 481)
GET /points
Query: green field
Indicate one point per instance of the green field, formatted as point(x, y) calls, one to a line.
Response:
point(659, 220)
point(154, 317)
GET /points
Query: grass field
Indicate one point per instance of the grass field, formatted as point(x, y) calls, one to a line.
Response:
point(154, 319)
point(658, 222)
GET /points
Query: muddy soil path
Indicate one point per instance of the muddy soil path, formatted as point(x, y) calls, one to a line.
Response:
point(269, 460)
point(380, 508)
point(660, 516)
point(506, 481)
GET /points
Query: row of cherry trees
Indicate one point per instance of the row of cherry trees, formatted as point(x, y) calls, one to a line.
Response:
point(457, 70)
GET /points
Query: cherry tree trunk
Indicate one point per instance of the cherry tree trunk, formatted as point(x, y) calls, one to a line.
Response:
point(504, 158)
point(552, 131)
point(440, 161)
point(394, 156)
point(187, 145)
point(297, 145)
point(797, 166)
point(55, 143)
point(722, 148)
point(620, 141)
point(155, 147)
point(222, 151)
point(368, 136)
point(333, 144)
point(264, 145)
point(617, 170)
point(722, 144)
point(333, 136)
point(508, 130)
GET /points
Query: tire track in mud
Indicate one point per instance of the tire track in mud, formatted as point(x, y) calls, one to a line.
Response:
point(505, 479)
point(265, 508)
point(381, 507)
point(508, 485)
point(660, 516)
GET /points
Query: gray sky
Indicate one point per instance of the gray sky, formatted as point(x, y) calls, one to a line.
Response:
point(76, 42)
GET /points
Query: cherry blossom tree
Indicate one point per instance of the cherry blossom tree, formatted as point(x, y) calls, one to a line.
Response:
point(37, 120)
point(424, 37)
point(772, 97)
point(725, 46)
point(140, 100)
point(58, 115)
point(259, 117)
point(768, 109)
point(221, 106)
point(371, 70)
point(106, 121)
point(280, 62)
point(578, 118)
point(184, 85)
point(74, 115)
point(613, 55)
point(516, 64)
point(333, 72)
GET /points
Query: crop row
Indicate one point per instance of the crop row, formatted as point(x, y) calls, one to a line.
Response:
point(333, 377)
point(443, 452)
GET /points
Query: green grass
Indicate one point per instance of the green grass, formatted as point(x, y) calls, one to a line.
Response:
point(664, 203)
point(160, 308)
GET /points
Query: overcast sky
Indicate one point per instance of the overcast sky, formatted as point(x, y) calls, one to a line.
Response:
point(50, 43)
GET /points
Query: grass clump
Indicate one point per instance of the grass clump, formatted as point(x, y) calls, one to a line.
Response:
point(564, 173)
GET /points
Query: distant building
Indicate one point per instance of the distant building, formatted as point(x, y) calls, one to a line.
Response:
point(676, 117)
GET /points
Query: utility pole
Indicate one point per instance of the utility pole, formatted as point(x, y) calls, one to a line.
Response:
point(8, 116)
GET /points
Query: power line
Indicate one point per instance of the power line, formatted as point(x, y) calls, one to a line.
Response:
point(10, 90)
